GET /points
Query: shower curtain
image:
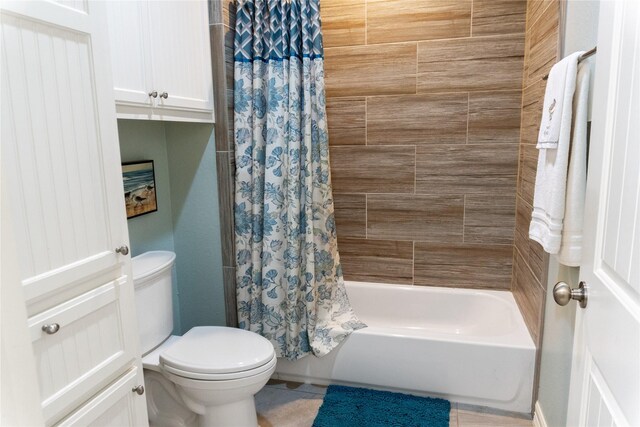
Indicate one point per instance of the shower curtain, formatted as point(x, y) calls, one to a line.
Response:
point(289, 280)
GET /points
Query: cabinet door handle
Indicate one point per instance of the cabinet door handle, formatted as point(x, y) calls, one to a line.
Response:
point(164, 95)
point(51, 328)
point(138, 389)
point(124, 250)
point(153, 94)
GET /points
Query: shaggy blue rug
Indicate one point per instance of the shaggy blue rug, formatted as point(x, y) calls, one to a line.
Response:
point(350, 406)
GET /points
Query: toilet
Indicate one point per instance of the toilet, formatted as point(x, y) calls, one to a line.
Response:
point(208, 376)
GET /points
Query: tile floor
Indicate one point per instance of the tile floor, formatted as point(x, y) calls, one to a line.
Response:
point(288, 404)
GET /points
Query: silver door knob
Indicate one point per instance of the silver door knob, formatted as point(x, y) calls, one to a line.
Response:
point(164, 95)
point(124, 250)
point(562, 294)
point(51, 328)
point(138, 389)
point(153, 94)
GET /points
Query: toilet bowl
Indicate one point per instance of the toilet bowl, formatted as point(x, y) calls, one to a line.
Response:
point(206, 377)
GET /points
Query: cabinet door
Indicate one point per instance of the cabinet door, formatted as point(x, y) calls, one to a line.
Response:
point(60, 150)
point(117, 406)
point(86, 346)
point(129, 40)
point(181, 54)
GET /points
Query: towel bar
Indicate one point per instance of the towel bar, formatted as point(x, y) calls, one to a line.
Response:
point(580, 58)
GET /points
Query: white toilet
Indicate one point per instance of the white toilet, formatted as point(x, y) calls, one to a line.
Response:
point(206, 377)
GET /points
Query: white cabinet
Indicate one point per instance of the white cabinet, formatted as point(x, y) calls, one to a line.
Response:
point(161, 59)
point(62, 183)
point(114, 407)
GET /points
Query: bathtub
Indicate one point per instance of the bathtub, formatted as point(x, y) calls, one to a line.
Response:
point(468, 346)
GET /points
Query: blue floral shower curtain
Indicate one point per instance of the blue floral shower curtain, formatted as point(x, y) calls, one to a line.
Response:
point(289, 279)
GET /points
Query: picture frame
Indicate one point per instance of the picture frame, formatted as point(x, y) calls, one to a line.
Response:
point(139, 181)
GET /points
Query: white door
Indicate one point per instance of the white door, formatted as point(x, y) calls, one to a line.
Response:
point(605, 379)
point(61, 163)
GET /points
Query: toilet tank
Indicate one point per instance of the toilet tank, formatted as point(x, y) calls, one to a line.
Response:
point(152, 279)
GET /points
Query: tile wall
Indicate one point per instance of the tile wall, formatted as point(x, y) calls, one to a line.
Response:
point(221, 30)
point(530, 262)
point(424, 105)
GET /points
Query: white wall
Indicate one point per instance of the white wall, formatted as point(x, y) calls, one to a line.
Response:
point(580, 33)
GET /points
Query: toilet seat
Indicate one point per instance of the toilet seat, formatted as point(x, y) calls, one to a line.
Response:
point(221, 377)
point(214, 353)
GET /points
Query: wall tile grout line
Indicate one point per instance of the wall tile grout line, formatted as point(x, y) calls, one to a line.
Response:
point(526, 263)
point(413, 263)
point(464, 216)
point(366, 216)
point(415, 170)
point(468, 112)
point(541, 14)
point(366, 21)
point(366, 120)
point(419, 41)
point(471, 20)
point(429, 93)
point(417, 69)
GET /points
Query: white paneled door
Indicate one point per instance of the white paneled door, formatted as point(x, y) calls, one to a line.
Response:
point(59, 145)
point(61, 163)
point(605, 380)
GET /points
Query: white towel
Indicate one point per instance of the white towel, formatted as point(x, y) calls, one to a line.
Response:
point(556, 110)
point(571, 246)
point(551, 178)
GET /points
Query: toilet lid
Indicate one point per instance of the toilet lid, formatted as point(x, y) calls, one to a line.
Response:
point(218, 350)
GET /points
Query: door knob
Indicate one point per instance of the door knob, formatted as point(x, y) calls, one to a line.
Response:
point(51, 328)
point(562, 294)
point(164, 95)
point(138, 389)
point(124, 250)
point(153, 94)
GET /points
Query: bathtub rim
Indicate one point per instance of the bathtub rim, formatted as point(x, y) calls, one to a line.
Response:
point(519, 337)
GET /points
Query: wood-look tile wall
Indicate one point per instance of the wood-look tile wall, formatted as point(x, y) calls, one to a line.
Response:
point(221, 31)
point(529, 260)
point(424, 105)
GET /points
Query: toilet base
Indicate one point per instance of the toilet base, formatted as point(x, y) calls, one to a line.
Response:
point(223, 402)
point(165, 407)
point(241, 414)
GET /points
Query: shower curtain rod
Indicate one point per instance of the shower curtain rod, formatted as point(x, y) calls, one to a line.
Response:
point(580, 58)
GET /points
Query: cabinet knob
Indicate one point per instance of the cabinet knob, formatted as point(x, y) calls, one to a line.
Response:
point(124, 250)
point(51, 328)
point(138, 389)
point(153, 94)
point(164, 95)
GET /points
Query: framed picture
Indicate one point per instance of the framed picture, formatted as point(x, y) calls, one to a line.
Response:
point(139, 188)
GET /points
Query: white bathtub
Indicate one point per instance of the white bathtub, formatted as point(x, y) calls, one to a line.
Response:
point(468, 346)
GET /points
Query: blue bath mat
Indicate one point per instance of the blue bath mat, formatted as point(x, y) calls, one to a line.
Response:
point(362, 407)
